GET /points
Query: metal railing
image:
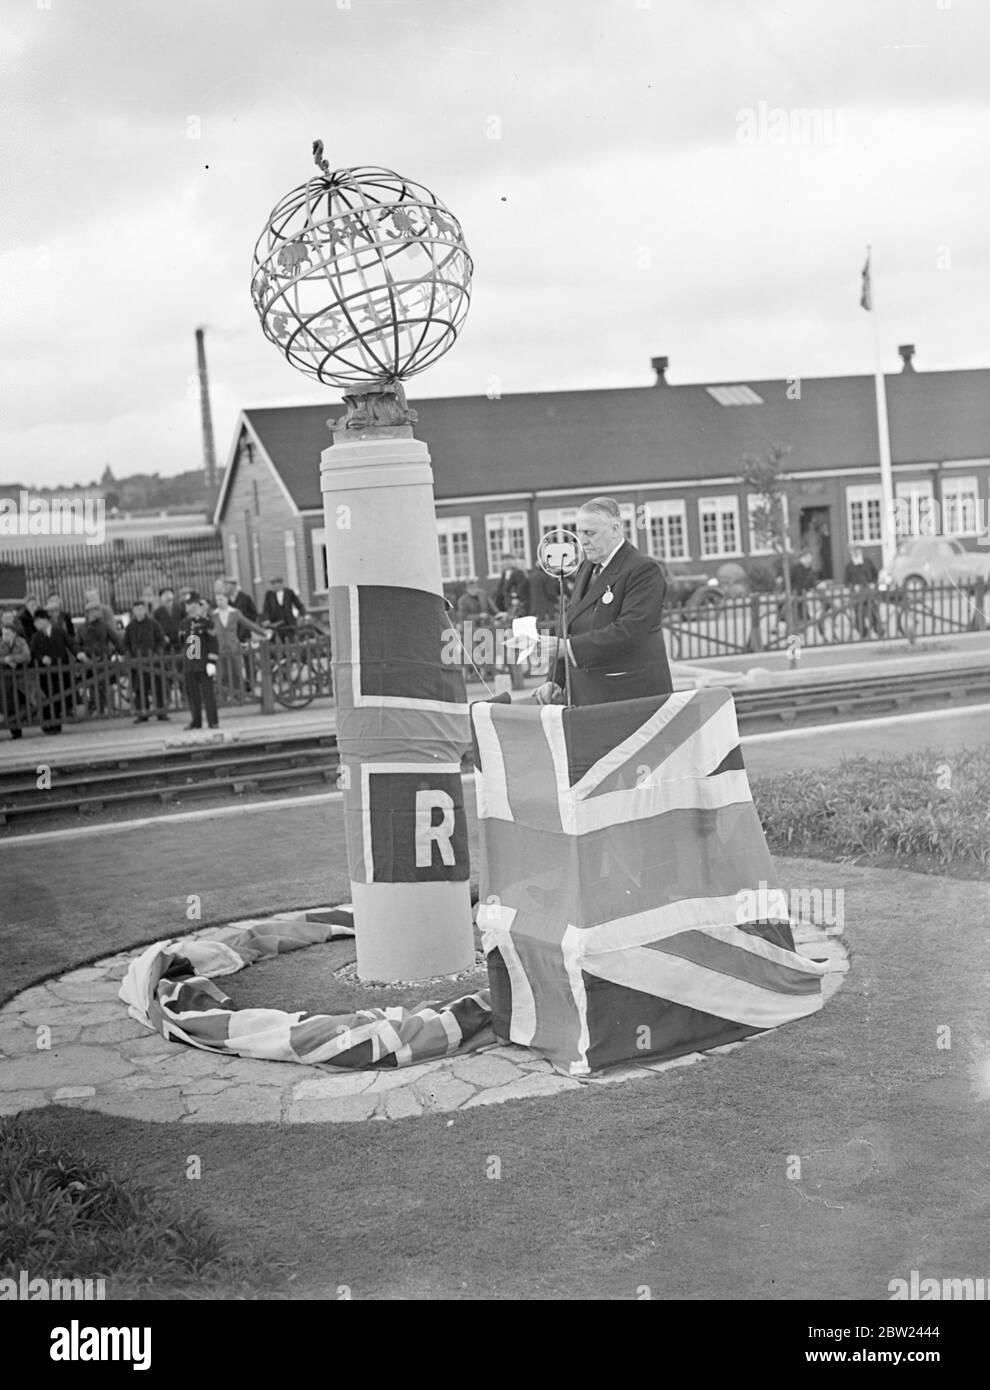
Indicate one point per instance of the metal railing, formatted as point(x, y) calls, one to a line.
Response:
point(717, 625)
point(294, 671)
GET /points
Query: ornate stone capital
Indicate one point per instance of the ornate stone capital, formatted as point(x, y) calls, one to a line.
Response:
point(378, 408)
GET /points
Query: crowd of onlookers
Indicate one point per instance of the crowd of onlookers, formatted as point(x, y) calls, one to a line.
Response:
point(166, 639)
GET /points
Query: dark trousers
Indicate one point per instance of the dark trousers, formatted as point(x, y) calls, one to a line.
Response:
point(201, 691)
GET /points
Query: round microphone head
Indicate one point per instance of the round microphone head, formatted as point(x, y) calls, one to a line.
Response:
point(560, 554)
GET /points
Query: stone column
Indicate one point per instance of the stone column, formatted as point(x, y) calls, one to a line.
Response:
point(402, 722)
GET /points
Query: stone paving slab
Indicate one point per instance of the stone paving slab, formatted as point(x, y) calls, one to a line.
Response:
point(71, 1042)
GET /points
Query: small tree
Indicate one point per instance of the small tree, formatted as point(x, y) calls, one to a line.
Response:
point(769, 516)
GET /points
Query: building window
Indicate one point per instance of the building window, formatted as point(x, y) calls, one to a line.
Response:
point(863, 514)
point(760, 544)
point(719, 523)
point(913, 510)
point(321, 570)
point(456, 550)
point(666, 529)
point(254, 493)
point(506, 533)
point(960, 507)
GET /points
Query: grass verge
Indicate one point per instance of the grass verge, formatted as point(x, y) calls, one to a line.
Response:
point(66, 1216)
point(922, 811)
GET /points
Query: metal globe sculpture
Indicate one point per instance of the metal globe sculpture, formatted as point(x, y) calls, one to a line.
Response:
point(361, 275)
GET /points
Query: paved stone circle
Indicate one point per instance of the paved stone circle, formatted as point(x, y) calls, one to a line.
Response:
point(70, 1041)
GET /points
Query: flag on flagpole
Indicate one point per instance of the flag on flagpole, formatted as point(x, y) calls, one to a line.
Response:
point(866, 294)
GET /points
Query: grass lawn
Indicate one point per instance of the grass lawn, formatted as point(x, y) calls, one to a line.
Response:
point(680, 1183)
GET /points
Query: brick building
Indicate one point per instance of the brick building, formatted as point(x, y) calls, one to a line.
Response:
point(506, 470)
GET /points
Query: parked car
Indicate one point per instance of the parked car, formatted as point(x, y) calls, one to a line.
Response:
point(924, 560)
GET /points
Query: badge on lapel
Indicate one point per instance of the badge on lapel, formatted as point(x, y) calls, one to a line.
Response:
point(608, 596)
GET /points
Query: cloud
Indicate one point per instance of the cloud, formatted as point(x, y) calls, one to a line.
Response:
point(591, 150)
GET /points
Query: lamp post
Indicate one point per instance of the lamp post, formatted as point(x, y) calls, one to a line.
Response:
point(362, 279)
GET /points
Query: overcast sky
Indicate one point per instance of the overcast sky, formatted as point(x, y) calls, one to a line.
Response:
point(635, 202)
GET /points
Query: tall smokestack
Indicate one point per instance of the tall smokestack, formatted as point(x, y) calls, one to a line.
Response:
point(209, 451)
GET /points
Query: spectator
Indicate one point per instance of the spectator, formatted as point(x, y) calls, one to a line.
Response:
point(91, 596)
point(169, 615)
point(476, 611)
point(231, 628)
point(281, 607)
point(144, 640)
point(803, 580)
point(512, 590)
point(475, 603)
point(861, 576)
point(62, 618)
point(25, 617)
point(100, 644)
point(51, 652)
point(243, 602)
point(14, 654)
point(199, 647)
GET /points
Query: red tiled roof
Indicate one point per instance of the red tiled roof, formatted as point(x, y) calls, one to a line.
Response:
point(561, 439)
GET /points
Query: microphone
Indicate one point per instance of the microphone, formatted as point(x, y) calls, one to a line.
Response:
point(560, 554)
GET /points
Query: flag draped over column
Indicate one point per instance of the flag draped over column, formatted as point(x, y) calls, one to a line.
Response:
point(624, 882)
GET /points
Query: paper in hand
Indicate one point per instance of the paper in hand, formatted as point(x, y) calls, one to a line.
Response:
point(525, 636)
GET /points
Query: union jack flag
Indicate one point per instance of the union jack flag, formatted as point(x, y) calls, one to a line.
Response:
point(621, 855)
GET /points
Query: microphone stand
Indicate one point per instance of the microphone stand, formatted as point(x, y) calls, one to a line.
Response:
point(562, 637)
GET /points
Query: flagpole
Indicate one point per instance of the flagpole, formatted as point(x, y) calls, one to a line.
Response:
point(887, 535)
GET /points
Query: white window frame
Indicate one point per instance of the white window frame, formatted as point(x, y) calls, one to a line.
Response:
point(660, 510)
point(915, 491)
point(447, 528)
point(721, 505)
point(965, 487)
point(321, 567)
point(752, 498)
point(504, 523)
point(861, 495)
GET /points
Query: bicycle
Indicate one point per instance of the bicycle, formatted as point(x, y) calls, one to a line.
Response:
point(300, 663)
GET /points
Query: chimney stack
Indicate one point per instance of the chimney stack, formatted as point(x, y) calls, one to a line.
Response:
point(907, 353)
point(660, 365)
point(209, 451)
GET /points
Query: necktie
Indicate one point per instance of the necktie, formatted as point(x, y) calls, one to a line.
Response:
point(596, 572)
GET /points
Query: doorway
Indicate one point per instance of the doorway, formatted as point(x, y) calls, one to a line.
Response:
point(815, 525)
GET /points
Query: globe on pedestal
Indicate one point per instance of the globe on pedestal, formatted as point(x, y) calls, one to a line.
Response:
point(361, 276)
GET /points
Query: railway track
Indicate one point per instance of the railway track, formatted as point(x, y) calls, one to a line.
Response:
point(289, 763)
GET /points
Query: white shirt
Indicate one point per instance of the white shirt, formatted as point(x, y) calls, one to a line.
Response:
point(611, 555)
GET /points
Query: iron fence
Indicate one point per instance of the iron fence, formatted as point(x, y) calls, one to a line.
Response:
point(717, 625)
point(120, 569)
point(293, 672)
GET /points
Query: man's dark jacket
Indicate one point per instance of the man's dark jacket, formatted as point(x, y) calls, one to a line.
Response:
point(512, 588)
point(619, 653)
point(199, 643)
point(56, 645)
point(244, 603)
point(169, 618)
point(284, 612)
point(143, 637)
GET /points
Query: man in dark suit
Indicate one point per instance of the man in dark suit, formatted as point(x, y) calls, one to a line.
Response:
point(512, 590)
point(243, 602)
point(615, 643)
point(281, 608)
